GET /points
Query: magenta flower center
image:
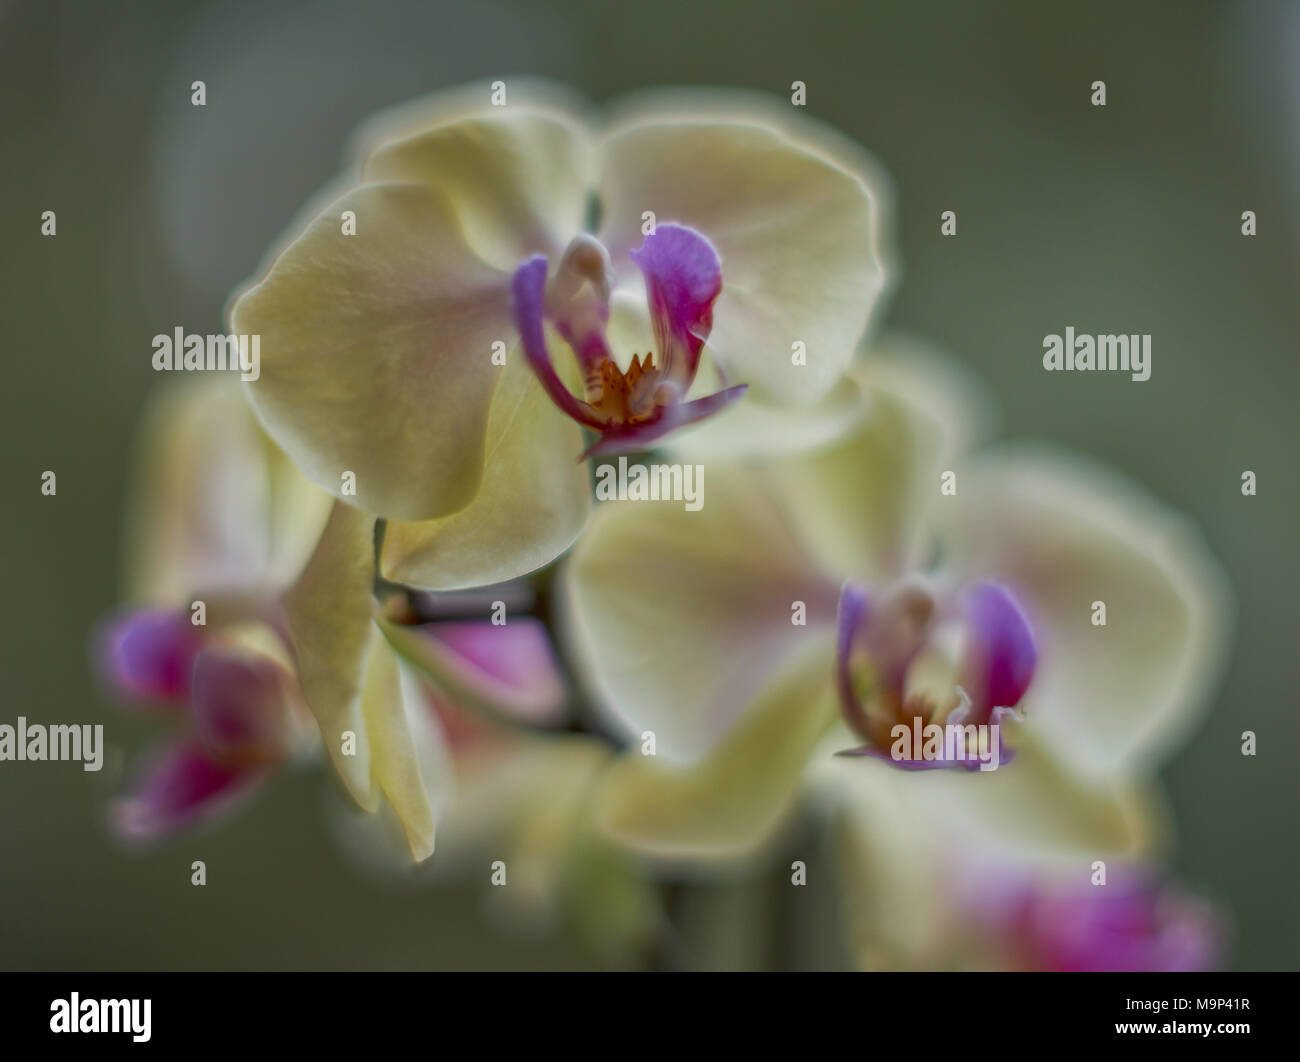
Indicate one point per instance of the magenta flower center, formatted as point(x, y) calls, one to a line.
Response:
point(628, 409)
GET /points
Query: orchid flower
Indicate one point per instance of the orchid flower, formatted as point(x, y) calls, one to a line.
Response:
point(634, 408)
point(828, 596)
point(404, 330)
point(221, 518)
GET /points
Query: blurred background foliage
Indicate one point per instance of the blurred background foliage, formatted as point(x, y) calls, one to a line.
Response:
point(1124, 218)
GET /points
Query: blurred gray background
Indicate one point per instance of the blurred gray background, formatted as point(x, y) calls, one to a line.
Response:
point(1126, 215)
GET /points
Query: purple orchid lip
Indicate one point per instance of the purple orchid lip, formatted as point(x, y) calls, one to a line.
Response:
point(529, 299)
point(514, 667)
point(854, 610)
point(628, 410)
point(683, 277)
point(1003, 653)
point(183, 785)
point(148, 654)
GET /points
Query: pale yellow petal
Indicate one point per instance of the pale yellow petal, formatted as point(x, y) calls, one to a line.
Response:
point(328, 611)
point(798, 234)
point(865, 500)
point(733, 801)
point(530, 507)
point(408, 761)
point(518, 180)
point(376, 352)
point(299, 511)
point(680, 618)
